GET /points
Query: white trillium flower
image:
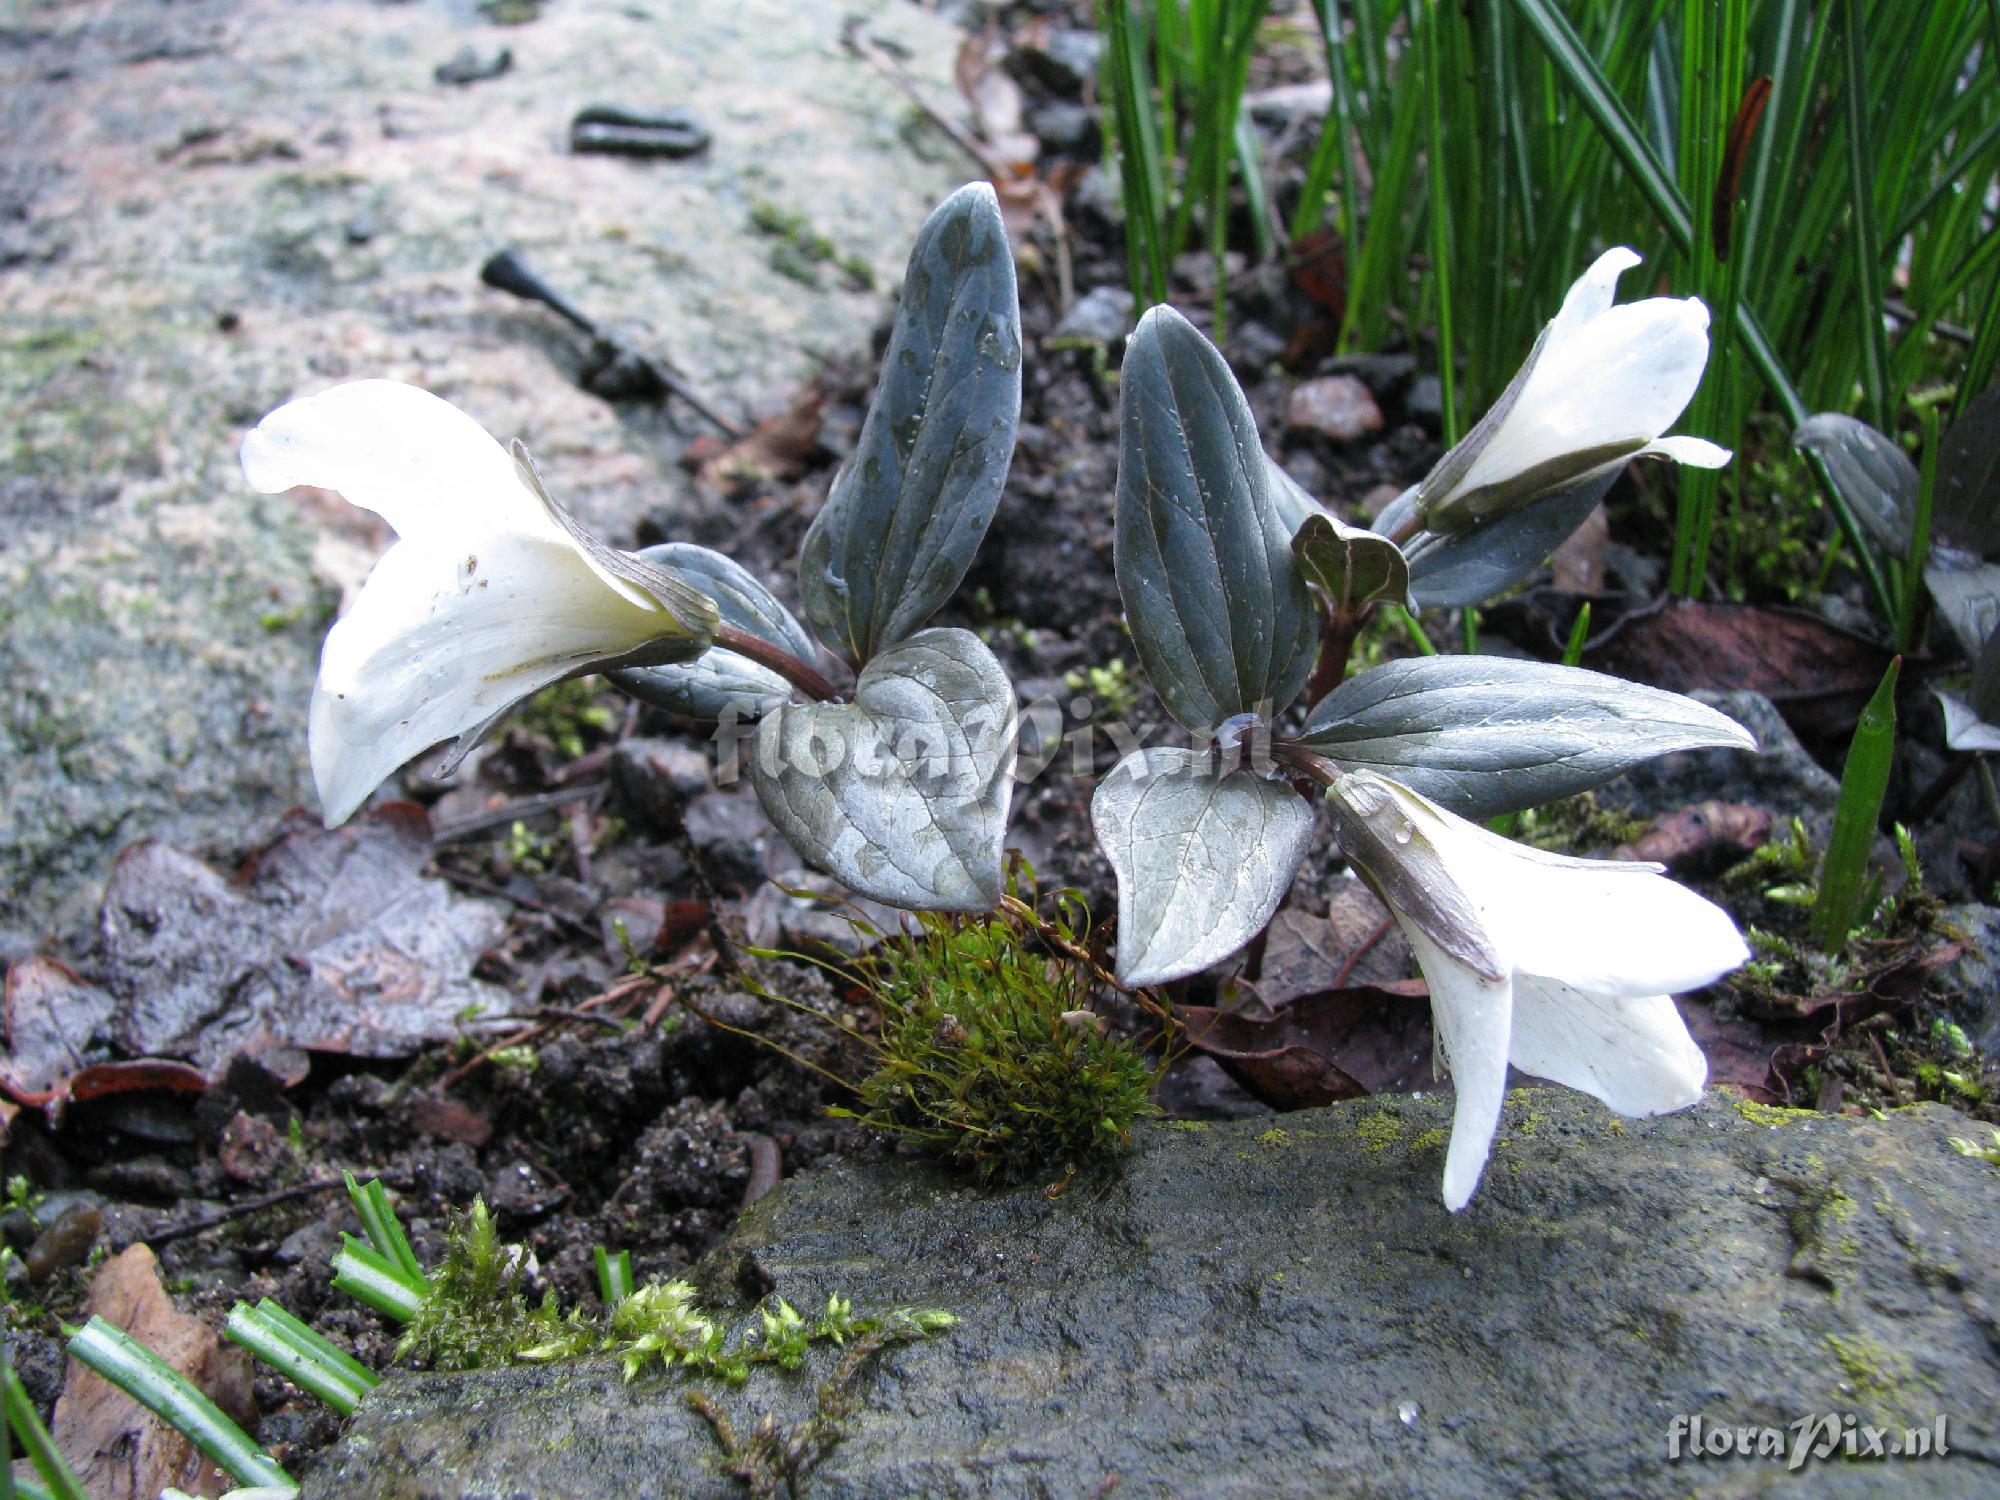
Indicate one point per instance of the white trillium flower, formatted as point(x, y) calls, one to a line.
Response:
point(1565, 968)
point(491, 592)
point(1601, 385)
point(1964, 730)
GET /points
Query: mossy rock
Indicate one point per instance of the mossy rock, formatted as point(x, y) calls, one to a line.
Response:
point(1222, 1315)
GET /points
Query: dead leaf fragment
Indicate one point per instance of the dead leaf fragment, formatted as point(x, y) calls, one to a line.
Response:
point(328, 940)
point(1705, 836)
point(120, 1450)
point(1338, 1044)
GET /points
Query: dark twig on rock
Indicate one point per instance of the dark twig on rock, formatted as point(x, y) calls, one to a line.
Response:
point(239, 1209)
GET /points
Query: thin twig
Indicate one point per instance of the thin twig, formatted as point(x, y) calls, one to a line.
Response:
point(997, 172)
point(239, 1210)
point(519, 810)
point(1361, 951)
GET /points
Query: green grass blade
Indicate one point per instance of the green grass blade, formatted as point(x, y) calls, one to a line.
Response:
point(1440, 213)
point(1135, 144)
point(1920, 539)
point(385, 1231)
point(1866, 238)
point(614, 1274)
point(164, 1391)
point(58, 1480)
point(1579, 637)
point(303, 1363)
point(370, 1277)
point(1864, 782)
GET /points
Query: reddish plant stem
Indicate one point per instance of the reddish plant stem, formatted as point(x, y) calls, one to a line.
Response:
point(799, 674)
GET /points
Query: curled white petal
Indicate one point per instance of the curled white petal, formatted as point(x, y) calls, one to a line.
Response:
point(1633, 1054)
point(1473, 1017)
point(1593, 293)
point(413, 458)
point(1697, 452)
point(1964, 729)
point(488, 595)
point(1606, 375)
point(436, 646)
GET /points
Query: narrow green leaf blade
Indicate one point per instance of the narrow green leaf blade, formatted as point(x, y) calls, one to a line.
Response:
point(1864, 782)
point(164, 1391)
point(36, 1443)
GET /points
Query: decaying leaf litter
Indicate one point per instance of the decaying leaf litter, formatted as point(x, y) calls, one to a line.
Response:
point(535, 984)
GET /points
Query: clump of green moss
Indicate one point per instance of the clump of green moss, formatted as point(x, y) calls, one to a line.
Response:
point(570, 714)
point(802, 249)
point(1571, 824)
point(477, 1315)
point(989, 1053)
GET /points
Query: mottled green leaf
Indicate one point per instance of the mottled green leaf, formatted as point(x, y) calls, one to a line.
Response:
point(908, 510)
point(1203, 855)
point(902, 794)
point(1222, 620)
point(1484, 735)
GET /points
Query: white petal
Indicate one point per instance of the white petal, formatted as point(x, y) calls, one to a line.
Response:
point(416, 460)
point(1964, 729)
point(1624, 375)
point(1634, 1054)
point(1593, 292)
point(1699, 452)
point(437, 645)
point(1607, 927)
point(1609, 930)
point(1473, 1016)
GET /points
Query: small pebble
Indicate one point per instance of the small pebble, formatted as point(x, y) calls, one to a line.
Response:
point(611, 130)
point(467, 66)
point(1335, 406)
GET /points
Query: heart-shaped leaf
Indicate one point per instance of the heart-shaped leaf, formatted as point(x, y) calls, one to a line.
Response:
point(902, 794)
point(1203, 856)
point(1491, 556)
point(1353, 566)
point(1873, 474)
point(722, 683)
point(908, 510)
point(1222, 619)
point(1483, 735)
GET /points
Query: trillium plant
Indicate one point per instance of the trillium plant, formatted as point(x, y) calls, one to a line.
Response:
point(899, 785)
point(1561, 967)
point(884, 748)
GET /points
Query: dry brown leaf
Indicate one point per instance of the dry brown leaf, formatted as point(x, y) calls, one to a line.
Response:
point(120, 1450)
point(1304, 954)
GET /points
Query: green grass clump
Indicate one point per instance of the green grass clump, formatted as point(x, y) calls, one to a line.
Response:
point(989, 1054)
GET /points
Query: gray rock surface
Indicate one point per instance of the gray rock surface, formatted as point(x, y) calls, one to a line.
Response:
point(183, 202)
point(1782, 777)
point(1260, 1309)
